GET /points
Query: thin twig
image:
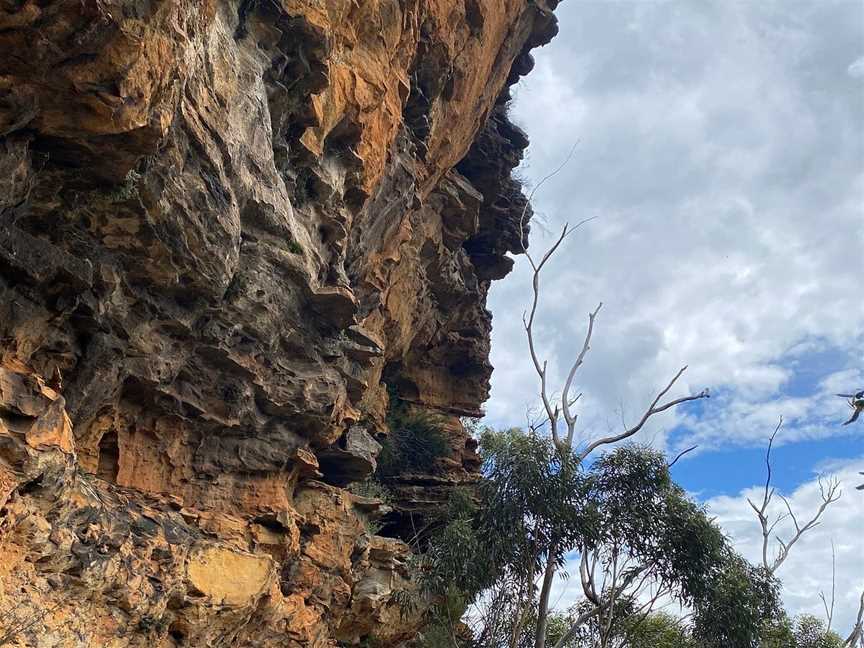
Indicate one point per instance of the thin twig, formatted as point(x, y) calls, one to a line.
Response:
point(681, 454)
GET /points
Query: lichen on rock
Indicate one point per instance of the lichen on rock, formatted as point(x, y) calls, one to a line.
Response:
point(227, 230)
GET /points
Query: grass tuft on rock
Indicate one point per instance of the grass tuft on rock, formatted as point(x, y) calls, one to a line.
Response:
point(415, 442)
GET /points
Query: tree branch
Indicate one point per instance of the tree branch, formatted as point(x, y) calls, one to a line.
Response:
point(655, 408)
point(857, 634)
point(829, 609)
point(585, 616)
point(530, 198)
point(565, 396)
point(681, 454)
point(543, 604)
point(830, 493)
point(768, 494)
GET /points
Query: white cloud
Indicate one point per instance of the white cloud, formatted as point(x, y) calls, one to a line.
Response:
point(723, 154)
point(721, 146)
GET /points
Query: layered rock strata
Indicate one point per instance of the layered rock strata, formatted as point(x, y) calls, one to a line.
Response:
point(227, 229)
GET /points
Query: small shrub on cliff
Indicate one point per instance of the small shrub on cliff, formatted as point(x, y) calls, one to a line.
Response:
point(371, 489)
point(415, 442)
point(128, 189)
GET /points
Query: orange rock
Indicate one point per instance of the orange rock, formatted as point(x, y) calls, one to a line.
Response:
point(229, 577)
point(232, 232)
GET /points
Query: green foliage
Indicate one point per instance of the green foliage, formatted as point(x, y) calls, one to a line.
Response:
point(406, 600)
point(777, 633)
point(810, 632)
point(690, 547)
point(473, 426)
point(739, 601)
point(444, 570)
point(129, 188)
point(806, 631)
point(438, 633)
point(657, 630)
point(415, 442)
point(557, 626)
point(530, 496)
point(537, 503)
point(533, 495)
point(373, 526)
point(443, 628)
point(372, 489)
point(450, 601)
point(451, 557)
point(294, 247)
point(639, 512)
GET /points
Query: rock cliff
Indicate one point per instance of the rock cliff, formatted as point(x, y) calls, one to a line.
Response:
point(230, 231)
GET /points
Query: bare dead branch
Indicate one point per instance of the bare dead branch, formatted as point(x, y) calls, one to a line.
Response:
point(768, 494)
point(622, 575)
point(857, 634)
point(829, 609)
point(565, 396)
point(528, 324)
point(597, 609)
point(534, 190)
point(654, 408)
point(681, 454)
point(830, 492)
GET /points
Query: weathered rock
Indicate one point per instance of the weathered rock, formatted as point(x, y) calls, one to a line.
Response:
point(353, 459)
point(226, 230)
point(227, 576)
point(88, 563)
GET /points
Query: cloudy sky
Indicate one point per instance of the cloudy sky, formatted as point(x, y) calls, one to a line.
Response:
point(720, 145)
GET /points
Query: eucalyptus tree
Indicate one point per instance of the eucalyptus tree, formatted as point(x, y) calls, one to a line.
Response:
point(556, 495)
point(561, 420)
point(631, 529)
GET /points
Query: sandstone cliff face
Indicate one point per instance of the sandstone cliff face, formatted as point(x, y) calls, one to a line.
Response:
point(226, 229)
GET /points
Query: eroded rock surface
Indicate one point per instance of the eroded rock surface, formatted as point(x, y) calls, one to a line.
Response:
point(226, 230)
